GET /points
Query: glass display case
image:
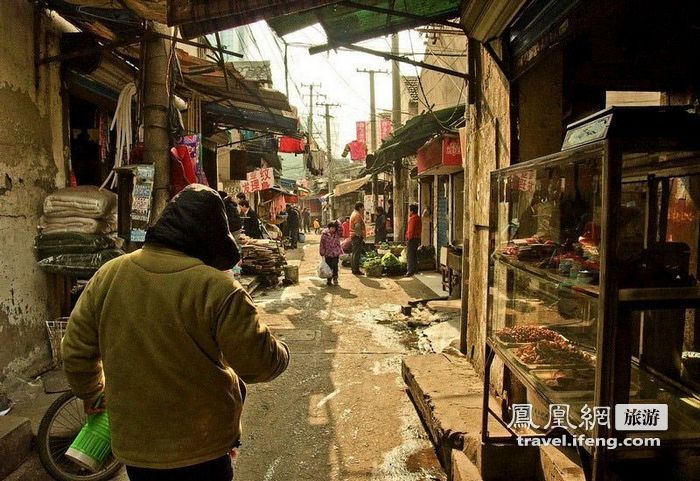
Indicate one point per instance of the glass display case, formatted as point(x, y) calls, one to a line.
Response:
point(592, 284)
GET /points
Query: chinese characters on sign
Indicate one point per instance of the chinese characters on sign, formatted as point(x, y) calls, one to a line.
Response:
point(641, 417)
point(526, 181)
point(261, 179)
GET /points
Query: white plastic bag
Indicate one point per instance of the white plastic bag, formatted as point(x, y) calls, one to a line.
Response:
point(324, 270)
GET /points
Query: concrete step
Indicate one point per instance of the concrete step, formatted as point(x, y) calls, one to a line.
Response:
point(447, 393)
point(463, 469)
point(15, 443)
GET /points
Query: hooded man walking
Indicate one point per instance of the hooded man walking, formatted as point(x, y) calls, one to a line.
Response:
point(170, 339)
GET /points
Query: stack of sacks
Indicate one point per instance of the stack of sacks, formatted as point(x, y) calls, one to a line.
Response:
point(76, 232)
point(85, 209)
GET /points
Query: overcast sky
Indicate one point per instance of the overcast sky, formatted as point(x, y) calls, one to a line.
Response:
point(337, 74)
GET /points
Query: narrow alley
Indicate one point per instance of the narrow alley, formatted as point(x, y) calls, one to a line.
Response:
point(340, 411)
point(362, 240)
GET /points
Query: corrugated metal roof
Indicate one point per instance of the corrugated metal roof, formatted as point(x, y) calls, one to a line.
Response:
point(411, 82)
point(348, 22)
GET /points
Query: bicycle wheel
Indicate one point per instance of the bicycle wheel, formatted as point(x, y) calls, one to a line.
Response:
point(59, 427)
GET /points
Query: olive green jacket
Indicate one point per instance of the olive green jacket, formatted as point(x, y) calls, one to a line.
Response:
point(171, 338)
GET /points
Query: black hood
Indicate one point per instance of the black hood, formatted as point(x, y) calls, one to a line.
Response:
point(194, 222)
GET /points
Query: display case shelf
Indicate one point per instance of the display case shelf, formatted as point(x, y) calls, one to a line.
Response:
point(550, 275)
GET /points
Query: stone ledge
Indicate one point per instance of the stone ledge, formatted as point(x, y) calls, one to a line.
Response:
point(15, 443)
point(447, 393)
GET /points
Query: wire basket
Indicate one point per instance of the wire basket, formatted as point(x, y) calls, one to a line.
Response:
point(56, 329)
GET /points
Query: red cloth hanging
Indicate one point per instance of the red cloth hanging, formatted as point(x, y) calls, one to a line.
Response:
point(358, 150)
point(290, 145)
point(181, 170)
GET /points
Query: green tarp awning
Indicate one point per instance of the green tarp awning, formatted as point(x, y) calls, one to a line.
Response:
point(348, 22)
point(408, 139)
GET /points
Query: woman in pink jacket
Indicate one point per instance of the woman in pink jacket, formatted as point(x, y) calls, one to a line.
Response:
point(330, 249)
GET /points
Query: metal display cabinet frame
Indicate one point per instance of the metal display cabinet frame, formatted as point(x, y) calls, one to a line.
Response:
point(629, 146)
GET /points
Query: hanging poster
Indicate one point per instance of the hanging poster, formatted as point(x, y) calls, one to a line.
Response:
point(385, 128)
point(361, 134)
point(141, 201)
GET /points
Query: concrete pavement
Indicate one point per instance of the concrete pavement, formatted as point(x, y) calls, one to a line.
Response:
point(340, 412)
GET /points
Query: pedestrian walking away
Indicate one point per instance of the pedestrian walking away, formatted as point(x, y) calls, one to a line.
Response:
point(173, 361)
point(413, 236)
point(358, 233)
point(317, 226)
point(330, 249)
point(306, 219)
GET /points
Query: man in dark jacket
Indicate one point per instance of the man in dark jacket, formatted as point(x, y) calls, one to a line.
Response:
point(235, 224)
point(306, 219)
point(251, 223)
point(380, 226)
point(292, 225)
point(171, 338)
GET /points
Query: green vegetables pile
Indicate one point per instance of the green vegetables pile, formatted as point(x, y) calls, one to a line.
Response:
point(371, 260)
point(389, 260)
point(392, 265)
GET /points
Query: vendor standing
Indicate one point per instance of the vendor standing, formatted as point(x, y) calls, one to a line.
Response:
point(251, 223)
point(413, 235)
point(357, 231)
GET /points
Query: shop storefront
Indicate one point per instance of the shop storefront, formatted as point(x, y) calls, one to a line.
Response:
point(439, 168)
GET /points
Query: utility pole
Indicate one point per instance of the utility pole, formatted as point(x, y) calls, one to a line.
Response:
point(310, 122)
point(373, 126)
point(155, 115)
point(331, 178)
point(400, 177)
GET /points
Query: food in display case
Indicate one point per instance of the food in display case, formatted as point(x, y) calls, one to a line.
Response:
point(524, 334)
point(566, 380)
point(556, 353)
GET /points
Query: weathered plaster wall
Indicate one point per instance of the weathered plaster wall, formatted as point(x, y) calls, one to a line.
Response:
point(31, 166)
point(488, 148)
point(441, 91)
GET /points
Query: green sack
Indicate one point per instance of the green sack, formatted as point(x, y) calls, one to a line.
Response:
point(78, 265)
point(48, 245)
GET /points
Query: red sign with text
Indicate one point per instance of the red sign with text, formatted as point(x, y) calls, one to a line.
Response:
point(260, 179)
point(444, 151)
